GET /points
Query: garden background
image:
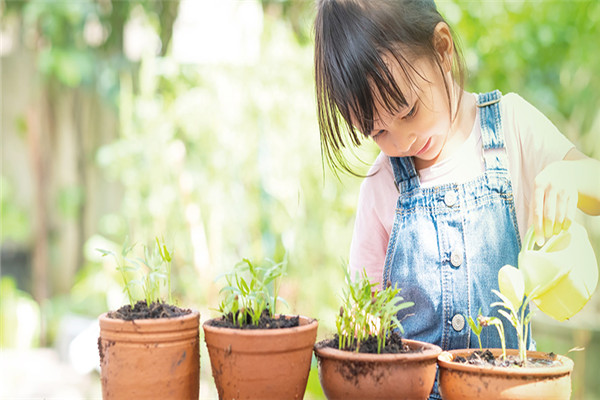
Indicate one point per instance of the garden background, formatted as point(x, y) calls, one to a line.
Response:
point(195, 120)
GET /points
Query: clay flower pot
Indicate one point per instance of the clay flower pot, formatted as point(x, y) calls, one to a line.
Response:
point(350, 375)
point(261, 363)
point(465, 381)
point(150, 358)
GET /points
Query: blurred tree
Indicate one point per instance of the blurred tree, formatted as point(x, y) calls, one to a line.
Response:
point(299, 14)
point(77, 48)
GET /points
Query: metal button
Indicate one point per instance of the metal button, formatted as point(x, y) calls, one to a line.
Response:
point(458, 322)
point(456, 259)
point(450, 198)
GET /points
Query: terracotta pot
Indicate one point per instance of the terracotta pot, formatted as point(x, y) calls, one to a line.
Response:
point(465, 381)
point(351, 375)
point(150, 358)
point(261, 363)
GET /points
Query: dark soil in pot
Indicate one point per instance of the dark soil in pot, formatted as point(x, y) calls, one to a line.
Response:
point(266, 321)
point(142, 311)
point(393, 345)
point(351, 375)
point(486, 358)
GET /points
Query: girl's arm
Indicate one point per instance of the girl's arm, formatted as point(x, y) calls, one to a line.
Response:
point(560, 188)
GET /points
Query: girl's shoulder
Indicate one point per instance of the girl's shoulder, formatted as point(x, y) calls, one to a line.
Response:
point(382, 162)
point(380, 171)
point(380, 178)
point(513, 98)
point(516, 106)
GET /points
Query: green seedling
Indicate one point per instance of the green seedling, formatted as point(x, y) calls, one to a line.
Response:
point(514, 301)
point(152, 271)
point(251, 291)
point(497, 322)
point(483, 321)
point(125, 267)
point(367, 311)
point(477, 327)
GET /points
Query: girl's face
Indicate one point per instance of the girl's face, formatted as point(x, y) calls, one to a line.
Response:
point(422, 128)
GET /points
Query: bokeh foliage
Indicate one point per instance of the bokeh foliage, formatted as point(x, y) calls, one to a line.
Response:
point(223, 159)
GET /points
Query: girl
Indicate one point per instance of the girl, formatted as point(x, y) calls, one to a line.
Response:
point(459, 177)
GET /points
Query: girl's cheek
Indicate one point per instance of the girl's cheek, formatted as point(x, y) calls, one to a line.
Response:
point(387, 147)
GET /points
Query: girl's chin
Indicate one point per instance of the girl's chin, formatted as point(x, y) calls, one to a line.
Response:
point(427, 159)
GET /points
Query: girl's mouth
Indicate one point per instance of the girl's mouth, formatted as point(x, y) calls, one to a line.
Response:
point(424, 148)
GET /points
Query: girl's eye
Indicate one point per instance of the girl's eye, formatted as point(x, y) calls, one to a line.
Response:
point(411, 113)
point(378, 135)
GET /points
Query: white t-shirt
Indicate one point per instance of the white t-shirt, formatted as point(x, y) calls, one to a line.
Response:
point(532, 142)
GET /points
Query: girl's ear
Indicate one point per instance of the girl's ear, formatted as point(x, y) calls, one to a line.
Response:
point(443, 44)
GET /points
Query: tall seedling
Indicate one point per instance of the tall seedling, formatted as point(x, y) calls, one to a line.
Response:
point(148, 273)
point(251, 291)
point(368, 312)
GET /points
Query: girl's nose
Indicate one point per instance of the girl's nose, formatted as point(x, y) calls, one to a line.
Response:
point(404, 141)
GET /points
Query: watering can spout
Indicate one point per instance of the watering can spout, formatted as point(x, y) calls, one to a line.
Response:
point(561, 276)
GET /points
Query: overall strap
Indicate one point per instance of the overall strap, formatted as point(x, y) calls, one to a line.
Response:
point(492, 133)
point(405, 174)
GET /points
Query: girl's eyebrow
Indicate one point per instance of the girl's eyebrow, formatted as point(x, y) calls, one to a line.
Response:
point(375, 132)
point(408, 107)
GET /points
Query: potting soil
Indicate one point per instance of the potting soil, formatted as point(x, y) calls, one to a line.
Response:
point(142, 311)
point(486, 358)
point(393, 345)
point(266, 321)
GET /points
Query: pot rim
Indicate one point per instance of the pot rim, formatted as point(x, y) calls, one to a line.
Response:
point(445, 362)
point(106, 321)
point(430, 352)
point(311, 323)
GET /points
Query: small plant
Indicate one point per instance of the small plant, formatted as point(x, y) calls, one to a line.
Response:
point(152, 271)
point(366, 312)
point(495, 321)
point(482, 322)
point(512, 294)
point(477, 327)
point(514, 301)
point(251, 291)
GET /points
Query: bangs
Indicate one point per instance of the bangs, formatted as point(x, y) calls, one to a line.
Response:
point(384, 91)
point(354, 76)
point(364, 54)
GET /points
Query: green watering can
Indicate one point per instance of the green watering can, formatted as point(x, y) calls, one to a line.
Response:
point(562, 275)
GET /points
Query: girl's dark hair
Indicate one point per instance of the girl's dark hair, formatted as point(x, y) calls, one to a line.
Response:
point(352, 39)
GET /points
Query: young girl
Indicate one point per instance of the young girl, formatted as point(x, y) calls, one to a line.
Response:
point(460, 176)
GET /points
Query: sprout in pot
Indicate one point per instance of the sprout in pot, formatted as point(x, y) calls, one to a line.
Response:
point(251, 296)
point(367, 357)
point(505, 373)
point(368, 321)
point(146, 276)
point(513, 305)
point(148, 348)
point(256, 353)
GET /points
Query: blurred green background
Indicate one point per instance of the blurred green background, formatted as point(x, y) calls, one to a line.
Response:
point(195, 120)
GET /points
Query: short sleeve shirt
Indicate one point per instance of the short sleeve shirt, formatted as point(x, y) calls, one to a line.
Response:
point(532, 142)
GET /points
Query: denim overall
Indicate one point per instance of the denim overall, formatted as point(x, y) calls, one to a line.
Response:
point(448, 243)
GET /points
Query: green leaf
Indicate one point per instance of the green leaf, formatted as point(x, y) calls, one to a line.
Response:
point(511, 284)
point(105, 252)
point(509, 317)
point(475, 327)
point(506, 303)
point(244, 286)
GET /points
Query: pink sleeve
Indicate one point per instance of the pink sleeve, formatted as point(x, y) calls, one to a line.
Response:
point(374, 219)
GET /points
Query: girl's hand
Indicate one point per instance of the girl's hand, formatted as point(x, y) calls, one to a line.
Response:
point(554, 200)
